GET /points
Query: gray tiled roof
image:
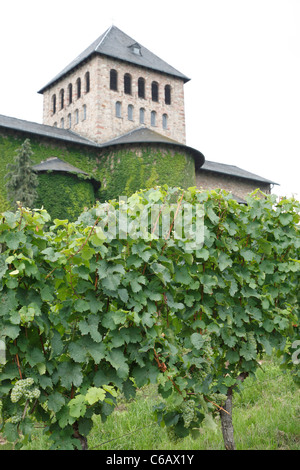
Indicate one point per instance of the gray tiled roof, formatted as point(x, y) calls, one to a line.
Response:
point(114, 43)
point(43, 130)
point(140, 134)
point(56, 164)
point(143, 135)
point(232, 170)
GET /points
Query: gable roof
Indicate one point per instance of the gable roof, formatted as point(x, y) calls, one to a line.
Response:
point(114, 43)
point(232, 170)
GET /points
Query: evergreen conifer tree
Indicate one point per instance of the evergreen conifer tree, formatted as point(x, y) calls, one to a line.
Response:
point(22, 180)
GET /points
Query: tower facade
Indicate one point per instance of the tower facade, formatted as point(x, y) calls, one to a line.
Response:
point(114, 86)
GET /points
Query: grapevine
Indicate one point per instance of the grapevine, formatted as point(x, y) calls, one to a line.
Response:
point(83, 308)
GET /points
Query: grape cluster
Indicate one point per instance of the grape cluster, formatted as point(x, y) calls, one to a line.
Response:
point(188, 412)
point(17, 418)
point(218, 398)
point(23, 388)
point(251, 339)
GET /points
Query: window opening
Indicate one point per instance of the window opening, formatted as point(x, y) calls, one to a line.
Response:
point(165, 121)
point(87, 82)
point(142, 116)
point(114, 80)
point(130, 112)
point(62, 98)
point(153, 118)
point(154, 89)
point(141, 87)
point(78, 84)
point(118, 109)
point(70, 89)
point(167, 94)
point(127, 84)
point(54, 104)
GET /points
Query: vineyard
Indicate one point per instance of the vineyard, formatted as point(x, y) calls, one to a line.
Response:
point(91, 311)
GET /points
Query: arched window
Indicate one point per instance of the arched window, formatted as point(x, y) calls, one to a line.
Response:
point(154, 91)
point(62, 123)
point(70, 92)
point(127, 84)
point(69, 121)
point(142, 116)
point(130, 112)
point(87, 82)
point(165, 121)
point(62, 98)
point(113, 80)
point(54, 104)
point(76, 116)
point(55, 124)
point(84, 112)
point(118, 109)
point(141, 87)
point(167, 94)
point(78, 86)
point(153, 118)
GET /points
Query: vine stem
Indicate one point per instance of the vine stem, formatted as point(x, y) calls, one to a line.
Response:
point(173, 221)
point(18, 362)
point(216, 405)
point(42, 343)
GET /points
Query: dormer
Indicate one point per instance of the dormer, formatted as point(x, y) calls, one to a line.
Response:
point(135, 49)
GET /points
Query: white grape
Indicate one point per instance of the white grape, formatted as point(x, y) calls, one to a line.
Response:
point(22, 389)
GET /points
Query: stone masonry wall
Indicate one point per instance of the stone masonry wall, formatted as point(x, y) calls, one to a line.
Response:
point(99, 122)
point(83, 125)
point(237, 186)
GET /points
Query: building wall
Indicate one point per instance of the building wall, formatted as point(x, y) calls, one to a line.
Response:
point(88, 99)
point(100, 122)
point(81, 157)
point(121, 170)
point(237, 186)
point(127, 169)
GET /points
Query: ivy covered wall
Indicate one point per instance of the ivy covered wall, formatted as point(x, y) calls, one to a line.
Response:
point(121, 170)
point(64, 195)
point(127, 170)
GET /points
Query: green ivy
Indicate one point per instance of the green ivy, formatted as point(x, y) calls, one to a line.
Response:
point(65, 196)
point(78, 157)
point(125, 171)
point(121, 172)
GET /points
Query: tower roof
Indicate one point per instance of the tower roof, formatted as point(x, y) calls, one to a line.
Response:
point(114, 43)
point(143, 135)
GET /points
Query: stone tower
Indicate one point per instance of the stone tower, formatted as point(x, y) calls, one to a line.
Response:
point(114, 86)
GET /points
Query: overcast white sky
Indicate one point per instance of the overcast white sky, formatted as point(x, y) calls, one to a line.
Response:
point(243, 58)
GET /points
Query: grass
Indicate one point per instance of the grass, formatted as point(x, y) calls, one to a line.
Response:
point(266, 416)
